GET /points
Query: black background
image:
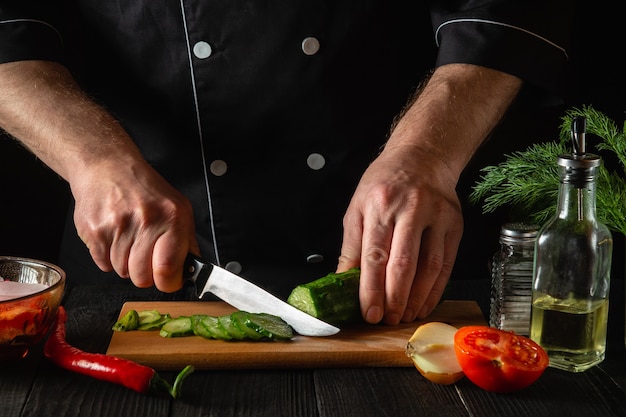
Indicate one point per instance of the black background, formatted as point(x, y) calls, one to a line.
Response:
point(34, 200)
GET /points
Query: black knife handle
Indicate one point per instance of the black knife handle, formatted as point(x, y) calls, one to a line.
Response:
point(193, 271)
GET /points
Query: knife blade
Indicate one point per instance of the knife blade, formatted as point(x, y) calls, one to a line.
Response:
point(244, 295)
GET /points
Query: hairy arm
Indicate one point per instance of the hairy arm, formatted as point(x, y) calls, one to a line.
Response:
point(129, 217)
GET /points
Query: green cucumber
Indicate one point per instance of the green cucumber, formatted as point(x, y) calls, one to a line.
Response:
point(226, 321)
point(199, 329)
point(270, 326)
point(177, 327)
point(214, 327)
point(333, 298)
point(152, 320)
point(239, 319)
point(141, 320)
point(239, 325)
point(130, 321)
point(148, 316)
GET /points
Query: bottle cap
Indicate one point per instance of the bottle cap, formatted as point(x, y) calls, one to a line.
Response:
point(579, 158)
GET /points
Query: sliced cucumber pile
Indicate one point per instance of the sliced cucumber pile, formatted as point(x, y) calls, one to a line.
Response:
point(240, 325)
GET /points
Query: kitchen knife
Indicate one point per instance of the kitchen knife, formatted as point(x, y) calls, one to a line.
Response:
point(246, 296)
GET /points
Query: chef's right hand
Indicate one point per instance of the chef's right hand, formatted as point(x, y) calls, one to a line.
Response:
point(129, 217)
point(134, 222)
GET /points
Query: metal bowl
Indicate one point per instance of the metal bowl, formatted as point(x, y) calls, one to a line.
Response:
point(25, 319)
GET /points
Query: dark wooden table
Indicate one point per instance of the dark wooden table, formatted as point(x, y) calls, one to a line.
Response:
point(36, 388)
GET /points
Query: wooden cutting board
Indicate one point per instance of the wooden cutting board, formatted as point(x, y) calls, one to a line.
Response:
point(360, 345)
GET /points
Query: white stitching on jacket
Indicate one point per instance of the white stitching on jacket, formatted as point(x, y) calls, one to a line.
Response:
point(2, 22)
point(492, 22)
point(200, 136)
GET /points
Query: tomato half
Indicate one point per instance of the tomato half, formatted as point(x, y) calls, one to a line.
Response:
point(498, 360)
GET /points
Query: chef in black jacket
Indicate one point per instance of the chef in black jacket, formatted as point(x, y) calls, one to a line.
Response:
point(271, 137)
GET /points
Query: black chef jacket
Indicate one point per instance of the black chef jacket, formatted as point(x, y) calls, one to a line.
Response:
point(266, 113)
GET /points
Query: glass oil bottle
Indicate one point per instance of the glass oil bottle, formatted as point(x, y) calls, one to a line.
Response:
point(571, 273)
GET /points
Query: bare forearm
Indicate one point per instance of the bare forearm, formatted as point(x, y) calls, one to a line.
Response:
point(457, 109)
point(129, 217)
point(42, 107)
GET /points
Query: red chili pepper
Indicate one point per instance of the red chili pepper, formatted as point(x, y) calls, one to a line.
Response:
point(120, 371)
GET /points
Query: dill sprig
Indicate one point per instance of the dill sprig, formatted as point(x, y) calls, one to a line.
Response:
point(528, 181)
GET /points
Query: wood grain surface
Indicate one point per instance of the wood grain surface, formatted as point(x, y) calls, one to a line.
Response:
point(359, 345)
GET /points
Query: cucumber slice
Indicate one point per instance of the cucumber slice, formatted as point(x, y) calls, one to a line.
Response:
point(153, 323)
point(214, 327)
point(148, 316)
point(239, 319)
point(199, 329)
point(231, 328)
point(333, 298)
point(177, 327)
point(270, 326)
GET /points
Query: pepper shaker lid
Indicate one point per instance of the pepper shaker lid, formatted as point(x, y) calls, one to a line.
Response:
point(516, 231)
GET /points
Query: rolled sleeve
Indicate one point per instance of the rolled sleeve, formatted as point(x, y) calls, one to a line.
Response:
point(527, 39)
point(28, 35)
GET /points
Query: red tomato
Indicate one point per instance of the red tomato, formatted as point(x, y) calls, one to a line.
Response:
point(498, 360)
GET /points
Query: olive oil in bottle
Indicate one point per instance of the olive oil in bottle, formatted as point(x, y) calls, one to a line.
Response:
point(574, 333)
point(572, 264)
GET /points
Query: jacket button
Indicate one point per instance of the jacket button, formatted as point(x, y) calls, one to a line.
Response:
point(233, 266)
point(310, 45)
point(202, 50)
point(315, 258)
point(315, 161)
point(218, 167)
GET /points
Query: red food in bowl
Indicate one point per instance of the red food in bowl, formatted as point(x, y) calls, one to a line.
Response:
point(26, 319)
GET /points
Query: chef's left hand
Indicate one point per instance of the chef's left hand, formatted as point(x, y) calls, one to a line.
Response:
point(404, 223)
point(402, 227)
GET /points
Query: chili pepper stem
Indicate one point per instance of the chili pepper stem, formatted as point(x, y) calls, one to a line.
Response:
point(178, 382)
point(158, 384)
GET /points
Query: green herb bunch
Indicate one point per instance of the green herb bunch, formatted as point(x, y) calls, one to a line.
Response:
point(528, 181)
